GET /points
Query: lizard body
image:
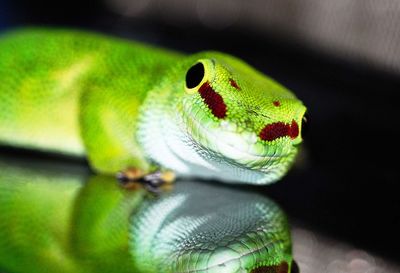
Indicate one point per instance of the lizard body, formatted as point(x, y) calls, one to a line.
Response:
point(123, 104)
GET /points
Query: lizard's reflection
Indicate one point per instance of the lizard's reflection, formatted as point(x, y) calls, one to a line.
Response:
point(54, 220)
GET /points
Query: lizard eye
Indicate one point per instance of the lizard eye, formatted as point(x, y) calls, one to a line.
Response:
point(194, 75)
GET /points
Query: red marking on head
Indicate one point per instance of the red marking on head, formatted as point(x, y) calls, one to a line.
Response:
point(279, 129)
point(276, 103)
point(274, 131)
point(280, 268)
point(234, 84)
point(294, 130)
point(213, 100)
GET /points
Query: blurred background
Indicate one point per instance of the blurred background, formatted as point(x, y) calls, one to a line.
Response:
point(341, 58)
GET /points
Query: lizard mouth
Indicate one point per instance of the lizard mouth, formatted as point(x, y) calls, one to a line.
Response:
point(241, 149)
point(244, 148)
point(233, 154)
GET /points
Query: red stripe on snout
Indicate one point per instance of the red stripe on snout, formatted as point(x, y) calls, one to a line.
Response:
point(279, 129)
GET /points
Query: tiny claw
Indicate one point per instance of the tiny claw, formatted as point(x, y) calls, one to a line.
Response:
point(159, 181)
point(168, 177)
point(130, 174)
point(122, 177)
point(153, 179)
point(132, 177)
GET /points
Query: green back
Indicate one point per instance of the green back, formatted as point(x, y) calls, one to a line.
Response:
point(47, 75)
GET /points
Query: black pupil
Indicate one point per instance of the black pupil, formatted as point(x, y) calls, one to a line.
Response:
point(194, 75)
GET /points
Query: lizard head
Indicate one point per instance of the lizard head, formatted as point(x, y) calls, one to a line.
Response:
point(247, 125)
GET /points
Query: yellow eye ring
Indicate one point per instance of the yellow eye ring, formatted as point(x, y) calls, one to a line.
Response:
point(196, 75)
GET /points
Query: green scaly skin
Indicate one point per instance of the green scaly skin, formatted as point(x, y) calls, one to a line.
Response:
point(124, 104)
point(57, 220)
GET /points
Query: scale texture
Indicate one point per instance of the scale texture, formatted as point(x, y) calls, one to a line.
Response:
point(124, 105)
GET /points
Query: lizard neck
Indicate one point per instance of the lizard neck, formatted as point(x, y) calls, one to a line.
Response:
point(163, 137)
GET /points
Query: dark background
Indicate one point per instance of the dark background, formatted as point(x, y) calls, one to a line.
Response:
point(347, 186)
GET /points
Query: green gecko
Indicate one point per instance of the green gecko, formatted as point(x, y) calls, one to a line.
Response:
point(125, 105)
point(56, 219)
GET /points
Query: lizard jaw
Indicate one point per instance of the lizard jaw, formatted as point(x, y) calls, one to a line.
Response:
point(226, 149)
